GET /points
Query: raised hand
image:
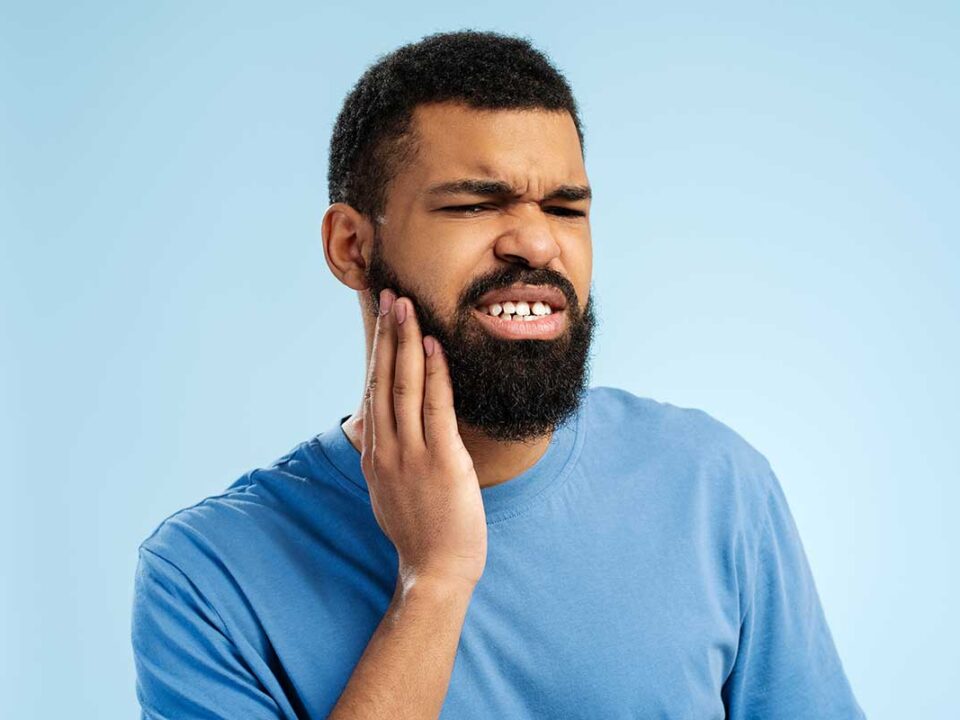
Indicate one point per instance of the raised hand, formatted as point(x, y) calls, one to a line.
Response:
point(423, 487)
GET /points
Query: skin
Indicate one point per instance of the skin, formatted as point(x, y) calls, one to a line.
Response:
point(534, 151)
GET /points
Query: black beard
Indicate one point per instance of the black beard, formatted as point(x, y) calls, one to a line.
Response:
point(510, 390)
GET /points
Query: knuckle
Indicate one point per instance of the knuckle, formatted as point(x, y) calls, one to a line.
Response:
point(436, 373)
point(409, 460)
point(460, 464)
point(379, 463)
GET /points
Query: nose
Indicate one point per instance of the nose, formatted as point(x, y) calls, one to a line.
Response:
point(530, 239)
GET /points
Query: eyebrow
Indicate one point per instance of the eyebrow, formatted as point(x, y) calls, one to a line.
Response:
point(498, 188)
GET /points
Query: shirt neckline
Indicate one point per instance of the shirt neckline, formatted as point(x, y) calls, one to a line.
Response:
point(504, 500)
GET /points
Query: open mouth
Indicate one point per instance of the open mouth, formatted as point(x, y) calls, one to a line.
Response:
point(518, 310)
point(519, 321)
point(523, 311)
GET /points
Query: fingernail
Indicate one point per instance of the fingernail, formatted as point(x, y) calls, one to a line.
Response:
point(386, 301)
point(428, 345)
point(401, 310)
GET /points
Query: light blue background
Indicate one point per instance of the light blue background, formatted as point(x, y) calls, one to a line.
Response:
point(776, 242)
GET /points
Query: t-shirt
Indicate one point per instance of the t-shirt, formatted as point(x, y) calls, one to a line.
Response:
point(646, 566)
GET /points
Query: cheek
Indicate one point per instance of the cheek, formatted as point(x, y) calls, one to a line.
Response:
point(440, 276)
point(578, 261)
point(444, 272)
point(447, 263)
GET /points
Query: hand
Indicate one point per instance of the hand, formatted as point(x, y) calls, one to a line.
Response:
point(423, 488)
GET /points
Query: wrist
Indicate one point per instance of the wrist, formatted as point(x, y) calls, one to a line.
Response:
point(432, 588)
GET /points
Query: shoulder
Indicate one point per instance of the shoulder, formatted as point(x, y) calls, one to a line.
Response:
point(682, 441)
point(251, 511)
point(685, 425)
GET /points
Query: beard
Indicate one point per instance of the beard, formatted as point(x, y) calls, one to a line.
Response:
point(509, 390)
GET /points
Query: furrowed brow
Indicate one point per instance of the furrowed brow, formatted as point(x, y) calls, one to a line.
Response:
point(571, 193)
point(472, 186)
point(498, 188)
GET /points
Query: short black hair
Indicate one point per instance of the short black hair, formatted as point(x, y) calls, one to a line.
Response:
point(485, 70)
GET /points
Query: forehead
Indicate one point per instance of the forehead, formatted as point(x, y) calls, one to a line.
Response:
point(524, 147)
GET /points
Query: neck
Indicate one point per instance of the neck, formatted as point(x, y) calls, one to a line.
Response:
point(494, 461)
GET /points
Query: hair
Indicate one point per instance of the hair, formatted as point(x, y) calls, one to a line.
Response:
point(372, 136)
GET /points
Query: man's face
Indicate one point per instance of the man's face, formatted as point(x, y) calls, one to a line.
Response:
point(446, 248)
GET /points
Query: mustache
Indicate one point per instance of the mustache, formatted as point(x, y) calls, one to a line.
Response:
point(508, 276)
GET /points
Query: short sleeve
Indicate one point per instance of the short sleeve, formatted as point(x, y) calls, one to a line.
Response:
point(787, 666)
point(186, 665)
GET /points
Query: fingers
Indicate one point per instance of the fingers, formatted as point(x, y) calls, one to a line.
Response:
point(439, 418)
point(380, 379)
point(409, 399)
point(408, 380)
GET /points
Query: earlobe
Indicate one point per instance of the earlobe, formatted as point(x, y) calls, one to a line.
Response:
point(346, 234)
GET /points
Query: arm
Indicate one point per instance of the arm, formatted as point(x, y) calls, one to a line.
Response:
point(405, 670)
point(187, 664)
point(426, 497)
point(787, 666)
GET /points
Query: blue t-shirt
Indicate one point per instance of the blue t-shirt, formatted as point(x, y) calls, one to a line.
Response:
point(647, 566)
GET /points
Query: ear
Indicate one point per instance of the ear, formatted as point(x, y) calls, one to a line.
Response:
point(347, 237)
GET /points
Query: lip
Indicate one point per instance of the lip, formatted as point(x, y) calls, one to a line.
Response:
point(547, 327)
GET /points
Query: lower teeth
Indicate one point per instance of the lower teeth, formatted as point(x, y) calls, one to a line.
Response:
point(513, 317)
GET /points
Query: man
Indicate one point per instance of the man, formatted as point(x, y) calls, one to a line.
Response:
point(485, 536)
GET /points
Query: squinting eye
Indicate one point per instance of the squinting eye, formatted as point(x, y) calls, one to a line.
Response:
point(559, 211)
point(465, 209)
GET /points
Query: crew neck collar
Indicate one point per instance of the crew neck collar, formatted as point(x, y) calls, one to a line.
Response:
point(501, 501)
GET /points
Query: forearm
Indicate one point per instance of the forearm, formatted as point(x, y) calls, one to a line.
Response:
point(405, 670)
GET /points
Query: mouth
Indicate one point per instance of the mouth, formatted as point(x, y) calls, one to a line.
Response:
point(525, 326)
point(523, 311)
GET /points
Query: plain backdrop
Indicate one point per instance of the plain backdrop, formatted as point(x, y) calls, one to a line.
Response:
point(775, 231)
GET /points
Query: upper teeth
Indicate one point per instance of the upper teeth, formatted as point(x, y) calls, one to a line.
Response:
point(520, 309)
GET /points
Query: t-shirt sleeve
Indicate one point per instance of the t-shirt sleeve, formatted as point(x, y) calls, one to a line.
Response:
point(186, 665)
point(787, 666)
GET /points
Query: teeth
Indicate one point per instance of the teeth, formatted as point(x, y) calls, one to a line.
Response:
point(520, 310)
